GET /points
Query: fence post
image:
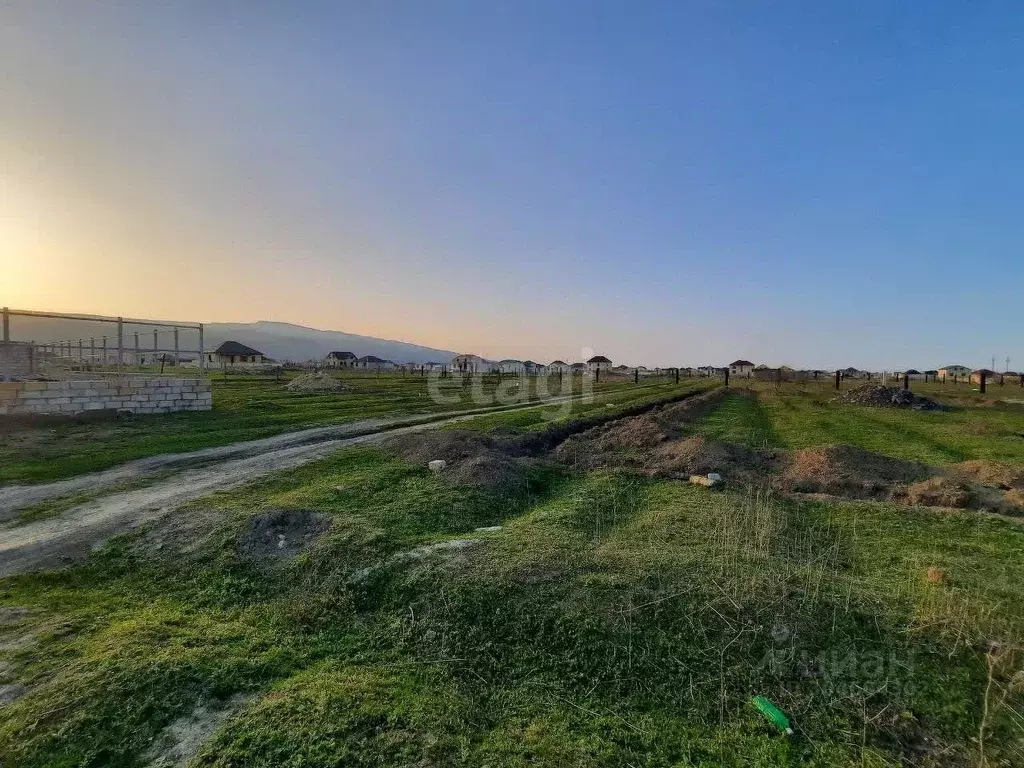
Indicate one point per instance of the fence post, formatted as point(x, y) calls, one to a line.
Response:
point(636, 375)
point(81, 354)
point(677, 375)
point(906, 381)
point(120, 345)
point(727, 377)
point(202, 351)
point(982, 377)
point(838, 375)
point(6, 337)
point(156, 345)
point(92, 352)
point(104, 350)
point(175, 347)
point(137, 364)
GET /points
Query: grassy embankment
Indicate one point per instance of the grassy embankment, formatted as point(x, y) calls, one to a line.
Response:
point(613, 621)
point(247, 408)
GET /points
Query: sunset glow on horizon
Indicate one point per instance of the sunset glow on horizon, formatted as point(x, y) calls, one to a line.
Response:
point(672, 185)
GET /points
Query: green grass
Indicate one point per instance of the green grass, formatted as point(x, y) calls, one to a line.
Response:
point(614, 620)
point(247, 408)
point(800, 417)
point(739, 418)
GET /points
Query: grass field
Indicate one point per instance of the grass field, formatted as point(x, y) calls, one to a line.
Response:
point(614, 620)
point(794, 417)
point(248, 408)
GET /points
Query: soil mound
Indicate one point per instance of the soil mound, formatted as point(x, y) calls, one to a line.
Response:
point(629, 442)
point(473, 459)
point(282, 533)
point(845, 470)
point(315, 382)
point(939, 492)
point(698, 456)
point(894, 397)
point(1005, 476)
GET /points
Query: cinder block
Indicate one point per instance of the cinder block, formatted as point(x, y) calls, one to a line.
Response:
point(59, 401)
point(189, 396)
point(7, 395)
point(34, 386)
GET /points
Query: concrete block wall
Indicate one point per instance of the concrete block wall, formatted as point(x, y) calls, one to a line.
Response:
point(164, 394)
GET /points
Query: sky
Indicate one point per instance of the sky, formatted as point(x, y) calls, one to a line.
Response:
point(666, 183)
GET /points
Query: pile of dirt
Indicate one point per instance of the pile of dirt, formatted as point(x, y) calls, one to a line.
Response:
point(845, 470)
point(315, 382)
point(630, 441)
point(871, 394)
point(1004, 476)
point(282, 533)
point(698, 456)
point(940, 491)
point(472, 459)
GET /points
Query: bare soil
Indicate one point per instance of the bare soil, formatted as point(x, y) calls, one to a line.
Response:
point(845, 470)
point(183, 738)
point(1005, 476)
point(282, 533)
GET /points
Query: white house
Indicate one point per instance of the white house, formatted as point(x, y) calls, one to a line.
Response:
point(340, 360)
point(743, 368)
point(559, 366)
point(512, 366)
point(599, 363)
point(471, 364)
point(236, 354)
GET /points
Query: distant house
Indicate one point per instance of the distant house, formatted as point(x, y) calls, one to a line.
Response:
point(471, 364)
point(532, 369)
point(599, 363)
point(340, 360)
point(949, 371)
point(623, 369)
point(853, 373)
point(559, 366)
point(741, 368)
point(578, 368)
point(911, 373)
point(373, 363)
point(990, 375)
point(234, 353)
point(512, 366)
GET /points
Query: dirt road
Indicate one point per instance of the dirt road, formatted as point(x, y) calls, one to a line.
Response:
point(70, 534)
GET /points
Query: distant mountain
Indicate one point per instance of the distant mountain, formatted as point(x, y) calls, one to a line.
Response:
point(280, 341)
point(285, 341)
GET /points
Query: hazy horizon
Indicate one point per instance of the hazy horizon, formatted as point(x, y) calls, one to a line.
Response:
point(664, 184)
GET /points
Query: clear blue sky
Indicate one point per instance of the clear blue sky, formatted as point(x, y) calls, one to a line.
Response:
point(815, 183)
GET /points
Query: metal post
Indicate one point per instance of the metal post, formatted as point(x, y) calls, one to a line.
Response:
point(136, 348)
point(156, 347)
point(202, 351)
point(92, 351)
point(838, 378)
point(120, 345)
point(104, 350)
point(175, 347)
point(906, 381)
point(727, 376)
point(81, 355)
point(983, 376)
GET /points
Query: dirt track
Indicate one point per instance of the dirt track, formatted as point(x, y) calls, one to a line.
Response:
point(59, 540)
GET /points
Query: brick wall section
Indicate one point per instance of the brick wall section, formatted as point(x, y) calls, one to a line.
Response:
point(149, 395)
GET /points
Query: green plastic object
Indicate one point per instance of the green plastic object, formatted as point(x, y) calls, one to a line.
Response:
point(772, 714)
